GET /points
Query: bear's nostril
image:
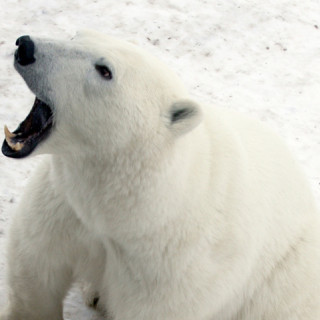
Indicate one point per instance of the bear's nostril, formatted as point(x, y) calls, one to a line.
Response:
point(24, 55)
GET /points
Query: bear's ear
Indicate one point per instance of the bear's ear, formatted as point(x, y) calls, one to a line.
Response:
point(184, 115)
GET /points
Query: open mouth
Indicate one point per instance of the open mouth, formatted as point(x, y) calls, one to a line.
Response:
point(34, 129)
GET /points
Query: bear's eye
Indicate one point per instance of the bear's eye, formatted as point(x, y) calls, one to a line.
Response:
point(104, 71)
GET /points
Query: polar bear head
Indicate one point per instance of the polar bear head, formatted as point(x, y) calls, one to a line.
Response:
point(96, 95)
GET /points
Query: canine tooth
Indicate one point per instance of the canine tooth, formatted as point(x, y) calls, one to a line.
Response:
point(8, 134)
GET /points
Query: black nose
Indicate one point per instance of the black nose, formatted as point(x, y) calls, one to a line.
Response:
point(24, 55)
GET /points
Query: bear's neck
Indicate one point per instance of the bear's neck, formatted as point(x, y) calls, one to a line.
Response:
point(127, 195)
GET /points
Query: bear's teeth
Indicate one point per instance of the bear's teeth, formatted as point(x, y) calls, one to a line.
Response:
point(17, 146)
point(8, 134)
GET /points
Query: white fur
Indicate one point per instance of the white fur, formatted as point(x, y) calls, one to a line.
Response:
point(205, 218)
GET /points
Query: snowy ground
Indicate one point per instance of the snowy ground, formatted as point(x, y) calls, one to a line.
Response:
point(259, 57)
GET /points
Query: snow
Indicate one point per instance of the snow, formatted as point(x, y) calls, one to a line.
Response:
point(258, 57)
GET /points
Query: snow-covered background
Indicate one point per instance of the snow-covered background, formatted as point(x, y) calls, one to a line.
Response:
point(258, 57)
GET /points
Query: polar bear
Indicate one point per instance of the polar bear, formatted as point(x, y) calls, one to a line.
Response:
point(169, 209)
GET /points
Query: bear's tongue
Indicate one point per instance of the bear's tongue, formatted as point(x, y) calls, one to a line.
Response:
point(30, 132)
